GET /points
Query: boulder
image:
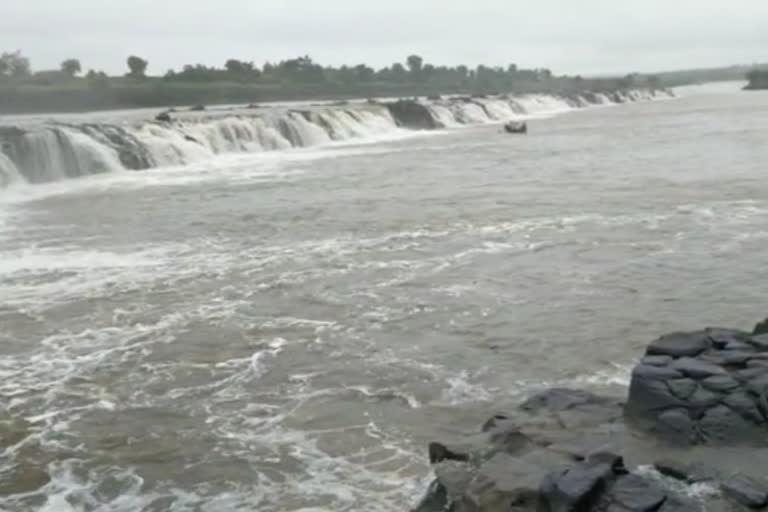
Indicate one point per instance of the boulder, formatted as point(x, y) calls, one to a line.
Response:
point(761, 327)
point(506, 481)
point(693, 388)
point(163, 117)
point(680, 344)
point(746, 490)
point(672, 469)
point(760, 341)
point(636, 493)
point(575, 488)
point(696, 368)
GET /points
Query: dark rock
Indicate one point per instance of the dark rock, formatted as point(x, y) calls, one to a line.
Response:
point(696, 368)
point(759, 383)
point(656, 372)
point(703, 398)
point(675, 425)
point(747, 374)
point(735, 357)
point(506, 480)
point(191, 139)
point(700, 473)
point(637, 494)
point(672, 469)
point(739, 345)
point(434, 500)
point(719, 425)
point(689, 473)
point(494, 422)
point(412, 114)
point(656, 360)
point(722, 337)
point(574, 488)
point(760, 341)
point(581, 447)
point(682, 388)
point(614, 460)
point(163, 117)
point(197, 108)
point(722, 383)
point(761, 328)
point(505, 436)
point(681, 504)
point(439, 452)
point(746, 490)
point(745, 405)
point(649, 393)
point(680, 344)
point(562, 399)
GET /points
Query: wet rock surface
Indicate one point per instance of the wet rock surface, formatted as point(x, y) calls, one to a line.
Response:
point(565, 450)
point(711, 390)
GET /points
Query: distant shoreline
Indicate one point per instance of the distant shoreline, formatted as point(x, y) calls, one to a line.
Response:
point(153, 93)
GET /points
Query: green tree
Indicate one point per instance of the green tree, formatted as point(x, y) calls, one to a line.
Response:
point(71, 67)
point(97, 79)
point(414, 63)
point(14, 64)
point(238, 67)
point(137, 67)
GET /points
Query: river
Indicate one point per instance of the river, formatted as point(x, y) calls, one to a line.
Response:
point(286, 331)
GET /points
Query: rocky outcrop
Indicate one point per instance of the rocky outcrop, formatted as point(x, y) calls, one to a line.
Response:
point(559, 452)
point(567, 450)
point(412, 114)
point(705, 387)
point(163, 117)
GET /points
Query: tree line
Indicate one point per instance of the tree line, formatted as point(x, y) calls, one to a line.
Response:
point(757, 78)
point(299, 70)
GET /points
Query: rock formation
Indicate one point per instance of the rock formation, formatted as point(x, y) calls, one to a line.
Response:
point(566, 450)
point(706, 387)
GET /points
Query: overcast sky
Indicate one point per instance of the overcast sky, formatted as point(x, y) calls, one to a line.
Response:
point(568, 36)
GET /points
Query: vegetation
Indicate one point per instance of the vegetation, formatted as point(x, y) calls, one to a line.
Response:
point(758, 79)
point(71, 67)
point(241, 81)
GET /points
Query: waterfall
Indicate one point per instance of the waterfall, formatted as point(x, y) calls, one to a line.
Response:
point(53, 151)
point(9, 174)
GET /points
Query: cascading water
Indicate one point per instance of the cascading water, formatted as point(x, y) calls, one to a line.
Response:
point(9, 174)
point(55, 151)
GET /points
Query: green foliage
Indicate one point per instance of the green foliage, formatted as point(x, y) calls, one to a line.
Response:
point(14, 64)
point(758, 78)
point(240, 81)
point(71, 67)
point(414, 63)
point(137, 67)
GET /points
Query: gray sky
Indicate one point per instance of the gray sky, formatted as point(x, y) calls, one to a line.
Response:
point(568, 36)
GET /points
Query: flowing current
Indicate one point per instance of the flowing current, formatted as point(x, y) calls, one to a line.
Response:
point(239, 329)
point(37, 150)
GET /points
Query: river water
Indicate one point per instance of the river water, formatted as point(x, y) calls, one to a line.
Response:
point(287, 331)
